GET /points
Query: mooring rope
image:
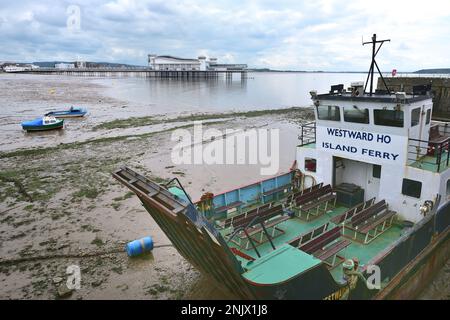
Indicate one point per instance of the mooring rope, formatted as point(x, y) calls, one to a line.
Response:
point(70, 256)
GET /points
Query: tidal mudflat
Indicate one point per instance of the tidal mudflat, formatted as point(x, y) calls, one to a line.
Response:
point(59, 205)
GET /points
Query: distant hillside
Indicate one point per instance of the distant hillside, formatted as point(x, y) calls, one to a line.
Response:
point(51, 64)
point(432, 71)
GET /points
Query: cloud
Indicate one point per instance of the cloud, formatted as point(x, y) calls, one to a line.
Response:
point(283, 34)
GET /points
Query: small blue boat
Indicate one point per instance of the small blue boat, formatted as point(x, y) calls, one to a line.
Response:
point(73, 112)
point(42, 124)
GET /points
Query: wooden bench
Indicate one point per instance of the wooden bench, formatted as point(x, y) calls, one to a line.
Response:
point(258, 224)
point(255, 211)
point(327, 245)
point(371, 222)
point(304, 237)
point(312, 203)
point(352, 211)
point(367, 213)
point(228, 207)
point(295, 195)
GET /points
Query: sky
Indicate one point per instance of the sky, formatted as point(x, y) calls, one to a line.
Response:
point(285, 35)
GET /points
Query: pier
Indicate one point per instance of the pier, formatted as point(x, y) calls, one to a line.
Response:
point(138, 72)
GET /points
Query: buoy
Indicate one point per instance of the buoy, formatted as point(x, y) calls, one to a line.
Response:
point(138, 247)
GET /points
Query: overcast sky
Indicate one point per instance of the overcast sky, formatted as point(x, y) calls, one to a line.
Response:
point(302, 35)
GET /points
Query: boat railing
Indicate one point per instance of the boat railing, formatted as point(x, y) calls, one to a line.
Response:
point(435, 154)
point(307, 133)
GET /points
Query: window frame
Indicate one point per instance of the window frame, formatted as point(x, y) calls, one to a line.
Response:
point(417, 121)
point(328, 119)
point(378, 170)
point(428, 117)
point(375, 111)
point(311, 160)
point(405, 190)
point(367, 113)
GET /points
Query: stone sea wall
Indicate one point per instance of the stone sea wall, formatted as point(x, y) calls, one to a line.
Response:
point(439, 86)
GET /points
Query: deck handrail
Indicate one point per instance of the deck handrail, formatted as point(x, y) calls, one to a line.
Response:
point(307, 133)
point(434, 148)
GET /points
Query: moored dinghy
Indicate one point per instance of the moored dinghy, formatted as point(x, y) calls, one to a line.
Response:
point(42, 124)
point(73, 112)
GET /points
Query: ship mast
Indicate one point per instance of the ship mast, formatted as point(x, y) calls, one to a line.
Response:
point(373, 64)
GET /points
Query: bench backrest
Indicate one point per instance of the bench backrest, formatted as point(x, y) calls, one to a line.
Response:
point(352, 211)
point(322, 240)
point(368, 213)
point(262, 217)
point(303, 238)
point(311, 196)
point(317, 189)
point(297, 194)
point(253, 212)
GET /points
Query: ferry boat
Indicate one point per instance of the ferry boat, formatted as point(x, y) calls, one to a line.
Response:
point(362, 214)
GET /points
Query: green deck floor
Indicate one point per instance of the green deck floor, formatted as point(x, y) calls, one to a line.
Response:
point(429, 163)
point(296, 226)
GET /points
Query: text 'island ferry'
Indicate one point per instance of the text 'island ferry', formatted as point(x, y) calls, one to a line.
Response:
point(363, 214)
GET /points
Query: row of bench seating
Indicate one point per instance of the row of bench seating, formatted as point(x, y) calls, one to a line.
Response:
point(238, 204)
point(315, 202)
point(304, 237)
point(258, 223)
point(290, 199)
point(352, 211)
point(305, 191)
point(324, 245)
point(229, 221)
point(372, 221)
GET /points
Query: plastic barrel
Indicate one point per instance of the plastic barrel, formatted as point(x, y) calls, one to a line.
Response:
point(137, 247)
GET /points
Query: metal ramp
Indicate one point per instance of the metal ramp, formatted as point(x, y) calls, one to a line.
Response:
point(145, 187)
point(189, 232)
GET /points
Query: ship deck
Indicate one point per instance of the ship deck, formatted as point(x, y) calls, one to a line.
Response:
point(433, 163)
point(296, 226)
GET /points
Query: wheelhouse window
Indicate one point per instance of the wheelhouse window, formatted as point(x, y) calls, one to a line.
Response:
point(356, 115)
point(411, 188)
point(389, 118)
point(310, 164)
point(415, 117)
point(331, 113)
point(428, 119)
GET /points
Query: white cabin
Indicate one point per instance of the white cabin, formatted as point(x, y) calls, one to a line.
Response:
point(386, 144)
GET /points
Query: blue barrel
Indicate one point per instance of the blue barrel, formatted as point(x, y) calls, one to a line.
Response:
point(137, 247)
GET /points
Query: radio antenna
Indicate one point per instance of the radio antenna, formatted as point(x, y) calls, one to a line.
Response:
point(374, 64)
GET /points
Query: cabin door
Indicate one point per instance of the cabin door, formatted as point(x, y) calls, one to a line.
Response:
point(373, 181)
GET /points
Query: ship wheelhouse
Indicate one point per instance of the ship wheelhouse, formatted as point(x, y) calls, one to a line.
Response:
point(382, 146)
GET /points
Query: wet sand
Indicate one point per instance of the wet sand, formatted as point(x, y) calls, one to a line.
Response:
point(80, 215)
